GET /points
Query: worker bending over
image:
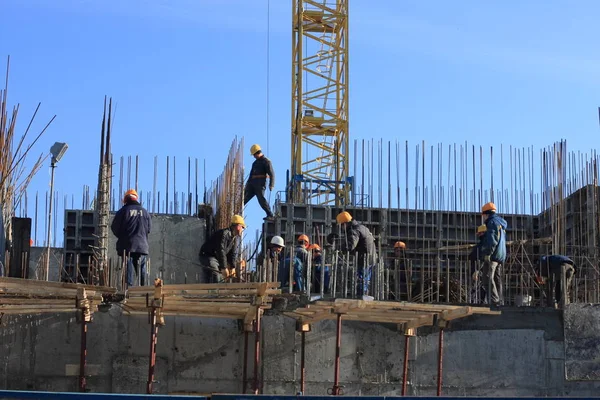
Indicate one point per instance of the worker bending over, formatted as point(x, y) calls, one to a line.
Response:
point(131, 226)
point(358, 238)
point(493, 251)
point(257, 182)
point(220, 252)
point(554, 267)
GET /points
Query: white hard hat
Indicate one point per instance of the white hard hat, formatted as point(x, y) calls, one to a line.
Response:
point(278, 241)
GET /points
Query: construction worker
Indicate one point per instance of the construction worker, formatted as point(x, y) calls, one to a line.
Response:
point(553, 267)
point(220, 252)
point(359, 239)
point(478, 292)
point(398, 272)
point(131, 226)
point(257, 182)
point(317, 261)
point(493, 251)
point(298, 260)
point(274, 252)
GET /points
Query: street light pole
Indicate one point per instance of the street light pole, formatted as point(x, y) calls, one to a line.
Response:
point(48, 237)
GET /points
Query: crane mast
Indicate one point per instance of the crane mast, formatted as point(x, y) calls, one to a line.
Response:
point(320, 161)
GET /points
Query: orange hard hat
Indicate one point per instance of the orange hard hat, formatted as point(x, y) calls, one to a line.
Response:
point(488, 207)
point(399, 245)
point(314, 247)
point(303, 238)
point(343, 217)
point(130, 194)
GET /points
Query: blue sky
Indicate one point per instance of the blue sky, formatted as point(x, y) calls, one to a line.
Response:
point(189, 75)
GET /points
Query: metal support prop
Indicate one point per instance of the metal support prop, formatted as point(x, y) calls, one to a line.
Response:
point(302, 364)
point(405, 365)
point(257, 350)
point(440, 362)
point(336, 390)
point(86, 316)
point(245, 367)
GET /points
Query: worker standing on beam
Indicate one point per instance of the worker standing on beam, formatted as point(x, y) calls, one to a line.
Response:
point(257, 182)
point(555, 268)
point(400, 278)
point(131, 226)
point(493, 250)
point(358, 238)
point(220, 252)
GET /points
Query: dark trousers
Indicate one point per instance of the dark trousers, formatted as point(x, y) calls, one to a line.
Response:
point(492, 281)
point(257, 188)
point(555, 284)
point(210, 270)
point(136, 262)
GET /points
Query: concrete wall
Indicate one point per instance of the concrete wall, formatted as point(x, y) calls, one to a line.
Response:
point(521, 353)
point(175, 242)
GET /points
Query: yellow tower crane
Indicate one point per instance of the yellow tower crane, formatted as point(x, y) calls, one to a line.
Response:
point(320, 154)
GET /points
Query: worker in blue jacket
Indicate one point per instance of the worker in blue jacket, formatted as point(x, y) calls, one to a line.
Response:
point(553, 267)
point(493, 251)
point(131, 226)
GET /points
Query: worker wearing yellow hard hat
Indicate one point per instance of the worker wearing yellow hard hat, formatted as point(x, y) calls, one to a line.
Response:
point(257, 181)
point(358, 239)
point(219, 253)
point(493, 252)
point(131, 225)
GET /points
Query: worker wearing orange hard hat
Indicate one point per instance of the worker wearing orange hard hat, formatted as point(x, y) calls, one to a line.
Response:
point(493, 252)
point(358, 238)
point(257, 181)
point(219, 253)
point(131, 225)
point(399, 248)
point(317, 261)
point(298, 260)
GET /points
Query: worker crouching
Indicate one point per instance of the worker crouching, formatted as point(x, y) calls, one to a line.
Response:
point(220, 252)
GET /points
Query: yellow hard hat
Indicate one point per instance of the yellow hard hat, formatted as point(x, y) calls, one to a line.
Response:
point(130, 194)
point(481, 229)
point(343, 217)
point(254, 149)
point(399, 245)
point(238, 220)
point(488, 207)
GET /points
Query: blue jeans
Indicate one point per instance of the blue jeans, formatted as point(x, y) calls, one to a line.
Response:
point(318, 278)
point(284, 274)
point(363, 279)
point(135, 263)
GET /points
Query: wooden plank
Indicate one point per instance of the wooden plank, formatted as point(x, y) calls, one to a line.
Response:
point(56, 302)
point(31, 283)
point(206, 286)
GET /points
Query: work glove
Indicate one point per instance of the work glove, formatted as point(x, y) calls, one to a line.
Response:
point(475, 276)
point(487, 259)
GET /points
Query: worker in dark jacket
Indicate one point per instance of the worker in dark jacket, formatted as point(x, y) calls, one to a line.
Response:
point(219, 253)
point(553, 267)
point(357, 238)
point(493, 251)
point(317, 261)
point(131, 226)
point(257, 182)
point(479, 291)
